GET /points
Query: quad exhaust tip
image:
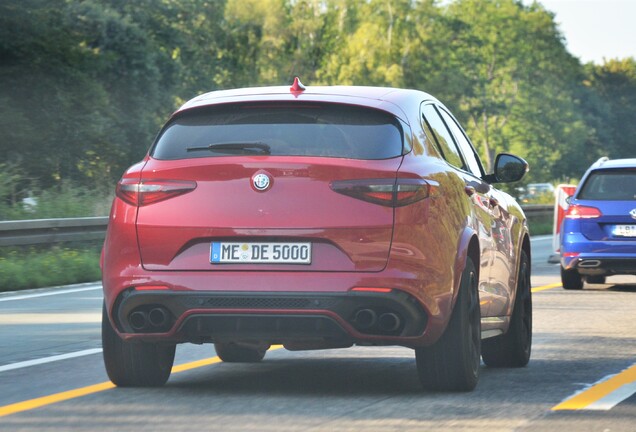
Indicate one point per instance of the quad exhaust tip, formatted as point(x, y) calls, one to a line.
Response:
point(389, 322)
point(365, 319)
point(369, 321)
point(138, 320)
point(156, 319)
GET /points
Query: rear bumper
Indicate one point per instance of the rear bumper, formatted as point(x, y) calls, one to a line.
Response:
point(598, 257)
point(601, 264)
point(321, 319)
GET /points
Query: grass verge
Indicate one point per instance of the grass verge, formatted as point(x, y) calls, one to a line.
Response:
point(22, 268)
point(540, 228)
point(35, 268)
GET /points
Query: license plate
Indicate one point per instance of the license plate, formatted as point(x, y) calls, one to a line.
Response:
point(260, 253)
point(624, 231)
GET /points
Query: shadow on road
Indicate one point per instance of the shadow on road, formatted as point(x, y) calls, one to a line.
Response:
point(623, 288)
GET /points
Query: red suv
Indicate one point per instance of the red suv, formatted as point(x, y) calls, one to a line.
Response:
point(318, 217)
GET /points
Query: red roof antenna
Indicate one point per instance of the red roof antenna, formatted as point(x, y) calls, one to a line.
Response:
point(297, 86)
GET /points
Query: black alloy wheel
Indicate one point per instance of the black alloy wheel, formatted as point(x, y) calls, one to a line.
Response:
point(513, 348)
point(135, 364)
point(452, 363)
point(596, 279)
point(571, 279)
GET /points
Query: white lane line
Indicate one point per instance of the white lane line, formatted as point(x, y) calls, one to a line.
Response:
point(51, 359)
point(50, 293)
point(604, 394)
point(541, 238)
point(614, 398)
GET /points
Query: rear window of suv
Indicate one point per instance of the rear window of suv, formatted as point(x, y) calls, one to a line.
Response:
point(337, 131)
point(610, 185)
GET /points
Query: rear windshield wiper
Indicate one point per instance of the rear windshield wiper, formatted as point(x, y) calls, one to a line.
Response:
point(236, 147)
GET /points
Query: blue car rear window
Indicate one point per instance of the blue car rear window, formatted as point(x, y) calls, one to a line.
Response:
point(323, 130)
point(610, 185)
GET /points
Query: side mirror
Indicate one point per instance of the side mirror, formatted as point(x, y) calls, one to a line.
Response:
point(509, 168)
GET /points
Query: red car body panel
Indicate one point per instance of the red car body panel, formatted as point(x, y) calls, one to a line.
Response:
point(418, 249)
point(176, 234)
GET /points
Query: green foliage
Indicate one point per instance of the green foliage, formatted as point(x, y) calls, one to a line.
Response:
point(614, 85)
point(515, 94)
point(539, 227)
point(85, 84)
point(59, 266)
point(63, 200)
point(67, 200)
point(13, 187)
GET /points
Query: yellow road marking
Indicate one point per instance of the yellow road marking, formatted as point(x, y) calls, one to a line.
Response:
point(546, 287)
point(195, 364)
point(54, 398)
point(92, 389)
point(96, 388)
point(598, 391)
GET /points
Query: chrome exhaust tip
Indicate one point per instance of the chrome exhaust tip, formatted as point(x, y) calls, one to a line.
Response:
point(589, 263)
point(389, 322)
point(138, 320)
point(365, 319)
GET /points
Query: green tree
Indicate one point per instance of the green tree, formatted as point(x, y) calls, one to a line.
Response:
point(614, 84)
point(68, 76)
point(373, 47)
point(516, 74)
point(85, 84)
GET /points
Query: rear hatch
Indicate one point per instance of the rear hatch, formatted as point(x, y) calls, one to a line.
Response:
point(258, 189)
point(607, 204)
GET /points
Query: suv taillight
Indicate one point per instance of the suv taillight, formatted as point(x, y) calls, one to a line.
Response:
point(144, 192)
point(386, 192)
point(582, 212)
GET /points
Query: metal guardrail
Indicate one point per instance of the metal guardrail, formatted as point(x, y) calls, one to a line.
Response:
point(538, 210)
point(41, 231)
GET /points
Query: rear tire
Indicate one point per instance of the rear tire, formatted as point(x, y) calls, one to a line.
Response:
point(231, 352)
point(595, 279)
point(452, 363)
point(571, 279)
point(513, 348)
point(134, 364)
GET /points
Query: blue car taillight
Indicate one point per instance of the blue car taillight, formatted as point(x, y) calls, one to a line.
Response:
point(582, 212)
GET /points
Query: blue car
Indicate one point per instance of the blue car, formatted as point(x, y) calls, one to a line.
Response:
point(598, 236)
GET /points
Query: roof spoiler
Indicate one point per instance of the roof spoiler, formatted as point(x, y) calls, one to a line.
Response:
point(601, 161)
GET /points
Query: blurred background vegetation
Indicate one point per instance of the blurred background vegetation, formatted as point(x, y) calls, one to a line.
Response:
point(86, 84)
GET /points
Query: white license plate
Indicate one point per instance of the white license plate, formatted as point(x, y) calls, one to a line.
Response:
point(260, 253)
point(624, 231)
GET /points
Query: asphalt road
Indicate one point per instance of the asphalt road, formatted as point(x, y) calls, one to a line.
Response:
point(579, 378)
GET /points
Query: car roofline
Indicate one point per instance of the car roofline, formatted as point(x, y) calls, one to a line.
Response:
point(607, 163)
point(387, 99)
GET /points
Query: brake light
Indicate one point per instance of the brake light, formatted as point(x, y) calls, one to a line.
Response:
point(144, 192)
point(372, 289)
point(582, 212)
point(386, 192)
point(151, 288)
